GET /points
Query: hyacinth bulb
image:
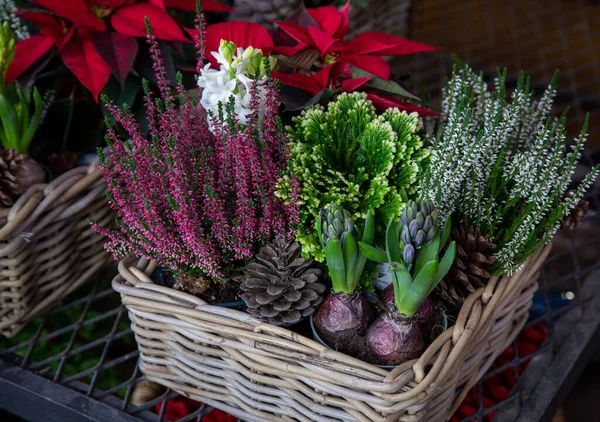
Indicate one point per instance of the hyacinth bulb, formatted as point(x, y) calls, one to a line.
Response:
point(427, 311)
point(342, 312)
point(394, 339)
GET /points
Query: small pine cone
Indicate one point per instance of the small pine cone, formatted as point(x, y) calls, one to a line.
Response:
point(10, 185)
point(573, 220)
point(469, 268)
point(264, 12)
point(62, 162)
point(282, 288)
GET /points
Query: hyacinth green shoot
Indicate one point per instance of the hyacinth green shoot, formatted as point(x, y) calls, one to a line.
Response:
point(501, 163)
point(348, 155)
point(413, 247)
point(17, 124)
point(339, 239)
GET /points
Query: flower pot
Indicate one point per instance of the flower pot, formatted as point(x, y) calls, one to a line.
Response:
point(258, 372)
point(47, 245)
point(160, 280)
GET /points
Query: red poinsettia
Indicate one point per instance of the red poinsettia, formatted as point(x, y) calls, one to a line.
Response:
point(88, 47)
point(313, 45)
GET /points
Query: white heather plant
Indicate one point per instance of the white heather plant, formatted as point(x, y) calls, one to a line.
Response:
point(504, 166)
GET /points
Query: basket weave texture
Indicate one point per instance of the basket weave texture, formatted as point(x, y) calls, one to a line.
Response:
point(47, 246)
point(259, 372)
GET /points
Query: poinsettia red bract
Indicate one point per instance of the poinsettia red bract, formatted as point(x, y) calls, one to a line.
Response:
point(313, 44)
point(80, 30)
point(327, 36)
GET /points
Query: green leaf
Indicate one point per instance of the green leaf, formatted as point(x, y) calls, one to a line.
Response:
point(335, 263)
point(10, 123)
point(372, 253)
point(401, 281)
point(23, 106)
point(369, 231)
point(320, 230)
point(445, 233)
point(383, 85)
point(444, 266)
point(34, 124)
point(391, 242)
point(419, 289)
point(427, 253)
point(350, 257)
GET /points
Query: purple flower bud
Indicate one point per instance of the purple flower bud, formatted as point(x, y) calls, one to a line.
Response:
point(420, 219)
point(420, 238)
point(405, 235)
point(427, 224)
point(413, 227)
point(408, 255)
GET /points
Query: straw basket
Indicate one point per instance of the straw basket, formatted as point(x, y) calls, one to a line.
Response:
point(47, 247)
point(259, 372)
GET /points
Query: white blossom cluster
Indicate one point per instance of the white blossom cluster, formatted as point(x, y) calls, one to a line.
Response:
point(504, 166)
point(234, 78)
point(8, 13)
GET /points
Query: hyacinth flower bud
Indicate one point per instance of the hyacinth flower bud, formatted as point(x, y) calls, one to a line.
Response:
point(413, 228)
point(336, 223)
point(227, 50)
point(253, 68)
point(420, 239)
point(405, 236)
point(408, 254)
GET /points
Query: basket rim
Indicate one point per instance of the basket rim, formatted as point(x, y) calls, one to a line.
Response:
point(24, 215)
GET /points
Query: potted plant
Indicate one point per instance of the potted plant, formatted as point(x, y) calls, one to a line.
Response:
point(197, 194)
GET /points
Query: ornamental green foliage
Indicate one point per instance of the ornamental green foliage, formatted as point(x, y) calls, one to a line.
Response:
point(504, 166)
point(348, 155)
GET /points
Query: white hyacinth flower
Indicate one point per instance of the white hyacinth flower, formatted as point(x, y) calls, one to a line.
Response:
point(230, 80)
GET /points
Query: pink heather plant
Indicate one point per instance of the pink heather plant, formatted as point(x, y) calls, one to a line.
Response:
point(192, 200)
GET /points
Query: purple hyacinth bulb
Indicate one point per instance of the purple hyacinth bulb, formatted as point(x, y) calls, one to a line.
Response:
point(393, 339)
point(341, 312)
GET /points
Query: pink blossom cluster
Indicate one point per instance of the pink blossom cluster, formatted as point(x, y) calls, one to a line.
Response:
point(188, 198)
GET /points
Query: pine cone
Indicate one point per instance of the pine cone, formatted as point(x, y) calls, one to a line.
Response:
point(10, 186)
point(573, 220)
point(264, 12)
point(282, 287)
point(62, 162)
point(469, 268)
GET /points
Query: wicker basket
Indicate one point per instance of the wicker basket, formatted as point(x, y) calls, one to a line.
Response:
point(259, 372)
point(47, 247)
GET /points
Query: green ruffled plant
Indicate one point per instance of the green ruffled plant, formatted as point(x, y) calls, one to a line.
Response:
point(348, 155)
